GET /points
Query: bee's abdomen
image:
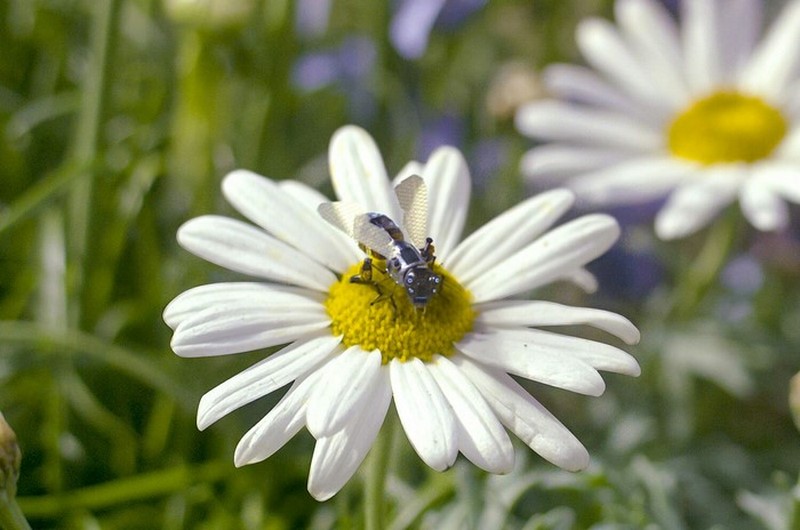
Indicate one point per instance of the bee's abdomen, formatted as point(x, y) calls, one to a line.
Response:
point(382, 221)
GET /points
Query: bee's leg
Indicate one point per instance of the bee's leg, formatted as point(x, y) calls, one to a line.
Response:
point(365, 276)
point(428, 252)
point(382, 295)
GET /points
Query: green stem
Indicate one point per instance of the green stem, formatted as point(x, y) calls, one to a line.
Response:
point(696, 280)
point(375, 483)
point(95, 91)
point(126, 491)
point(11, 517)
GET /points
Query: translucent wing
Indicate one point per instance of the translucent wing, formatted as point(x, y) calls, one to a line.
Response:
point(412, 194)
point(341, 214)
point(371, 236)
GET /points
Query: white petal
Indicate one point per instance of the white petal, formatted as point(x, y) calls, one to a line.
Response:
point(481, 437)
point(542, 363)
point(507, 233)
point(693, 205)
point(425, 414)
point(782, 178)
point(200, 298)
point(304, 194)
point(557, 161)
point(567, 247)
point(264, 377)
point(789, 148)
point(740, 28)
point(763, 207)
point(791, 111)
point(605, 50)
point(535, 313)
point(550, 120)
point(650, 30)
point(582, 278)
point(774, 62)
point(285, 420)
point(358, 173)
point(447, 177)
point(280, 214)
point(336, 458)
point(636, 180)
point(598, 355)
point(244, 248)
point(526, 417)
point(411, 168)
point(582, 85)
point(245, 325)
point(349, 380)
point(701, 53)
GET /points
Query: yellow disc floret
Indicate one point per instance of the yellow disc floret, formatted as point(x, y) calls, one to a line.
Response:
point(381, 316)
point(726, 126)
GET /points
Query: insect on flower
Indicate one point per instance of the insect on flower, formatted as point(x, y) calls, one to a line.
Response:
point(408, 263)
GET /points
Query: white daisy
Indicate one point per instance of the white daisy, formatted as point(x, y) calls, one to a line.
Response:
point(348, 355)
point(704, 112)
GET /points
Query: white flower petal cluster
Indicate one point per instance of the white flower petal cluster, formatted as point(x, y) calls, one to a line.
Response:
point(606, 136)
point(461, 401)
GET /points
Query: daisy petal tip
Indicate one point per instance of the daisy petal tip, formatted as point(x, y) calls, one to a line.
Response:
point(240, 459)
point(243, 455)
point(349, 133)
point(596, 389)
point(505, 468)
point(320, 493)
point(204, 417)
point(768, 221)
point(567, 453)
point(608, 224)
point(236, 177)
point(564, 194)
point(628, 333)
point(576, 460)
point(635, 370)
point(168, 316)
point(590, 29)
point(668, 229)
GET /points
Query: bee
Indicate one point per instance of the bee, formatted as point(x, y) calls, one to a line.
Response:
point(408, 263)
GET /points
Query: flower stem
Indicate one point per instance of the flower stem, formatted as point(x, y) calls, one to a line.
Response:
point(11, 517)
point(375, 483)
point(87, 137)
point(696, 280)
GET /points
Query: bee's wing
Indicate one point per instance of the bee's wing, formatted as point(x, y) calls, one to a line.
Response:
point(371, 236)
point(341, 214)
point(412, 194)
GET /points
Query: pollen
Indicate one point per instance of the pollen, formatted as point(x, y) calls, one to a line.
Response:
point(381, 316)
point(726, 126)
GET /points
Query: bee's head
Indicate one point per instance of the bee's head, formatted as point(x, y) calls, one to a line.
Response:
point(421, 283)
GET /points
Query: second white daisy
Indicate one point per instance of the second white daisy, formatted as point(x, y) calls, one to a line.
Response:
point(705, 113)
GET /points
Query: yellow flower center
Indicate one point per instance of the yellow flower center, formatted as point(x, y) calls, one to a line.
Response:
point(726, 127)
point(382, 316)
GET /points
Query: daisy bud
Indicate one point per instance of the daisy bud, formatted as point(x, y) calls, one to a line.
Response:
point(10, 457)
point(794, 398)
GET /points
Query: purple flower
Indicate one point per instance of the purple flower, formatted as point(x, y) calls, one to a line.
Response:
point(311, 17)
point(346, 68)
point(414, 19)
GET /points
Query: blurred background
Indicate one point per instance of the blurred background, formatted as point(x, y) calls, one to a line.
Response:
point(118, 119)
